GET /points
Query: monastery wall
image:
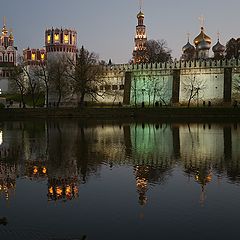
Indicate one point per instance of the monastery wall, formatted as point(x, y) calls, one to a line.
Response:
point(171, 83)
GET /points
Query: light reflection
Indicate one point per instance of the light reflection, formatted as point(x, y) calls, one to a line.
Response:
point(1, 137)
point(62, 189)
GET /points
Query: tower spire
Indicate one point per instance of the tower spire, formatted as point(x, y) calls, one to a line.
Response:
point(218, 35)
point(188, 36)
point(4, 29)
point(4, 21)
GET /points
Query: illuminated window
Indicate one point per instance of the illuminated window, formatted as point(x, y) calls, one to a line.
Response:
point(49, 38)
point(0, 91)
point(42, 56)
point(73, 39)
point(1, 137)
point(33, 56)
point(56, 37)
point(65, 38)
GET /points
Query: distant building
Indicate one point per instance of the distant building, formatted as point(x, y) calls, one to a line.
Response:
point(8, 57)
point(34, 56)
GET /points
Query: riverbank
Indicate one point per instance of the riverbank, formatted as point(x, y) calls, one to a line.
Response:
point(125, 113)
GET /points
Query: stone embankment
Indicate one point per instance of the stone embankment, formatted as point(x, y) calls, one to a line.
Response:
point(125, 113)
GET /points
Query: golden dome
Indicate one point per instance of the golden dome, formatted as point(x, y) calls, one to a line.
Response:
point(140, 14)
point(4, 30)
point(202, 36)
point(11, 35)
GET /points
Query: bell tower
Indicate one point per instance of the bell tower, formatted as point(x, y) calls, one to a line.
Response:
point(139, 52)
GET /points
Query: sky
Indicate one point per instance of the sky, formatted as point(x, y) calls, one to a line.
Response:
point(107, 27)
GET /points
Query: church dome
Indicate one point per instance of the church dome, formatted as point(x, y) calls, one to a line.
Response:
point(188, 47)
point(218, 47)
point(201, 36)
point(203, 45)
point(140, 14)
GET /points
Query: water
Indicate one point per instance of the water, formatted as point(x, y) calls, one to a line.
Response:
point(65, 179)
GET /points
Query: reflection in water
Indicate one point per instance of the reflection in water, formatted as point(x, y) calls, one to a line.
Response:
point(1, 138)
point(8, 175)
point(105, 175)
point(67, 153)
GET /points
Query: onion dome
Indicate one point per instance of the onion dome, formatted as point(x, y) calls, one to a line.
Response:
point(201, 36)
point(4, 30)
point(203, 45)
point(11, 35)
point(218, 47)
point(188, 47)
point(140, 14)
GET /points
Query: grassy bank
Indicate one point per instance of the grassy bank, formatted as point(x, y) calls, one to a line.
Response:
point(126, 113)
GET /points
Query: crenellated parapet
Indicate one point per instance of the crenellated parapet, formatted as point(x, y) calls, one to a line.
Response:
point(177, 65)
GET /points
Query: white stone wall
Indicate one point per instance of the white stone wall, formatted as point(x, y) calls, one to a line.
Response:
point(4, 85)
point(151, 86)
point(210, 82)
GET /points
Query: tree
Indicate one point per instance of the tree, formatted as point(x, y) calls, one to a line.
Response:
point(157, 51)
point(233, 48)
point(17, 81)
point(86, 75)
point(29, 80)
point(194, 89)
point(43, 72)
point(58, 70)
point(236, 87)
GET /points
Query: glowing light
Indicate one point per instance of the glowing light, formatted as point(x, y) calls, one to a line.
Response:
point(73, 39)
point(33, 56)
point(56, 37)
point(42, 56)
point(50, 190)
point(49, 38)
point(59, 191)
point(44, 170)
point(66, 38)
point(1, 138)
point(68, 191)
point(35, 170)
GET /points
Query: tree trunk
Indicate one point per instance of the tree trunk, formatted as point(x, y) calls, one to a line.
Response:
point(59, 98)
point(47, 95)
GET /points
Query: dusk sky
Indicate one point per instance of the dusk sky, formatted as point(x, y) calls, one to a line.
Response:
point(108, 27)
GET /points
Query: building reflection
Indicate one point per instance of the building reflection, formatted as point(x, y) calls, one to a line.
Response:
point(66, 154)
point(8, 176)
point(62, 189)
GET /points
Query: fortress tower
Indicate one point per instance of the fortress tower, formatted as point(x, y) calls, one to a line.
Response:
point(139, 52)
point(61, 42)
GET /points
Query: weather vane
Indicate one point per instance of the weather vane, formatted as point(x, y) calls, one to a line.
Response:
point(218, 35)
point(188, 36)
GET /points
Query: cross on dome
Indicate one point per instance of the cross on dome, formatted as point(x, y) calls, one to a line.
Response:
point(202, 21)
